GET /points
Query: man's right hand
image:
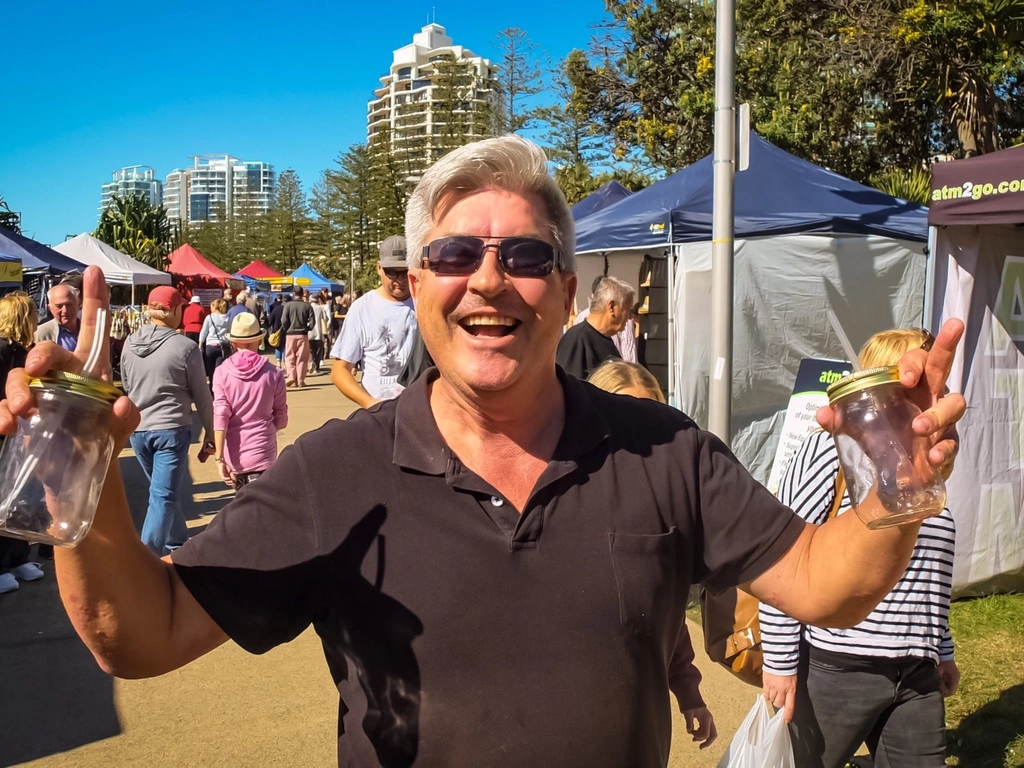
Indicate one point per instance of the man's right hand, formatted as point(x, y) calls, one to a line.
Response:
point(48, 356)
point(780, 691)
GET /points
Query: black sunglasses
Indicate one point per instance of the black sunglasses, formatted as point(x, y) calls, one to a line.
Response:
point(929, 339)
point(395, 273)
point(518, 256)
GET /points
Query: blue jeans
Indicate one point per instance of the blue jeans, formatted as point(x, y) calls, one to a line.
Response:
point(163, 454)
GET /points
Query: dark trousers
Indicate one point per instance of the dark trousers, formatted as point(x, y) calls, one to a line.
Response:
point(13, 552)
point(213, 355)
point(316, 351)
point(895, 708)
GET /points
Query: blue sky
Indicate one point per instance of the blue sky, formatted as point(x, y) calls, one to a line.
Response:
point(90, 87)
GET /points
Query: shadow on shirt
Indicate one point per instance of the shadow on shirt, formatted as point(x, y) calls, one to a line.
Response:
point(375, 632)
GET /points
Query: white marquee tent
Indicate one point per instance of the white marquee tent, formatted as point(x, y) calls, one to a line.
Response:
point(118, 268)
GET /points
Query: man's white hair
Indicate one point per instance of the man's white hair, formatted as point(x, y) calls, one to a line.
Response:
point(72, 291)
point(611, 289)
point(241, 297)
point(509, 163)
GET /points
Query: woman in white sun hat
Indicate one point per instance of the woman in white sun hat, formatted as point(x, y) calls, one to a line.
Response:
point(250, 406)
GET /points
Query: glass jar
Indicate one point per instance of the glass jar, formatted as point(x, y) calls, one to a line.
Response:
point(878, 449)
point(52, 469)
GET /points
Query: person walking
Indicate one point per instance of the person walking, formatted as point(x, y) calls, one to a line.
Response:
point(194, 316)
point(881, 682)
point(625, 341)
point(18, 323)
point(319, 334)
point(250, 406)
point(241, 305)
point(162, 373)
point(480, 565)
point(296, 323)
point(213, 338)
point(378, 332)
point(273, 325)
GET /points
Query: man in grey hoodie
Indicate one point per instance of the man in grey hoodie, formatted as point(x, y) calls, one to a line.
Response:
point(163, 374)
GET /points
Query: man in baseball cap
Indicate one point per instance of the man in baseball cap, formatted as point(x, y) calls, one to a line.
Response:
point(163, 374)
point(165, 297)
point(378, 332)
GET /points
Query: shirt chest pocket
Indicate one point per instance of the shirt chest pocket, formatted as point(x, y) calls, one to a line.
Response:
point(646, 575)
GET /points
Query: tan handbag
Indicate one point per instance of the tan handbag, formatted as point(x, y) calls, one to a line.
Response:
point(732, 631)
point(274, 340)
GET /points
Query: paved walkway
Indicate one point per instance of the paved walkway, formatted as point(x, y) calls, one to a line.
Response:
point(226, 709)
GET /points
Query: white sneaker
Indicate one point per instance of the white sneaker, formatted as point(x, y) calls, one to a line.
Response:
point(28, 572)
point(7, 583)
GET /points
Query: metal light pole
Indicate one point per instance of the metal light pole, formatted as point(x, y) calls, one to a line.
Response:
point(720, 391)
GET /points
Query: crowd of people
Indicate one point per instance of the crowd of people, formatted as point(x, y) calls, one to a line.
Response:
point(542, 531)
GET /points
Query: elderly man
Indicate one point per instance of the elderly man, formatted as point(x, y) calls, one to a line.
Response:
point(507, 570)
point(62, 301)
point(588, 344)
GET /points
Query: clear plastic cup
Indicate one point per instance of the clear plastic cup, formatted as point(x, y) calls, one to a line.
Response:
point(878, 449)
point(52, 469)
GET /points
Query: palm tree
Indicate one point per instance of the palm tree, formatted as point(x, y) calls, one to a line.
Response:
point(10, 220)
point(137, 228)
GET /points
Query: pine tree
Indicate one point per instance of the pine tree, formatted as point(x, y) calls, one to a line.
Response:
point(520, 77)
point(288, 223)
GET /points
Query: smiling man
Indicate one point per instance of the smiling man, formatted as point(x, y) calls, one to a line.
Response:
point(503, 580)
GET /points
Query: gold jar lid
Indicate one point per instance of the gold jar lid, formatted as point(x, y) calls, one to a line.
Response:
point(858, 382)
point(80, 385)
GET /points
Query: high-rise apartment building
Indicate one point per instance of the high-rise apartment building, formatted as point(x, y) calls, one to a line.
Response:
point(435, 96)
point(216, 184)
point(132, 180)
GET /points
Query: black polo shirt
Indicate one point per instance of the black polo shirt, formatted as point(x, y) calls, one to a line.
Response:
point(460, 633)
point(583, 348)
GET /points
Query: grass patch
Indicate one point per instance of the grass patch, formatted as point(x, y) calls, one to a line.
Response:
point(985, 719)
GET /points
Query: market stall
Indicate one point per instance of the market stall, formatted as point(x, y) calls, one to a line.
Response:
point(307, 277)
point(118, 268)
point(193, 273)
point(977, 275)
point(807, 240)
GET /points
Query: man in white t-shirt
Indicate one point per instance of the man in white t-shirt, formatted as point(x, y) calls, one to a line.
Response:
point(378, 331)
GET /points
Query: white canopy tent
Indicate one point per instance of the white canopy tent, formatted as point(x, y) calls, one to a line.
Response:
point(118, 268)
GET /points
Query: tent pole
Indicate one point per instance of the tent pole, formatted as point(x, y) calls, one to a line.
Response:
point(670, 261)
point(720, 386)
point(133, 293)
point(929, 282)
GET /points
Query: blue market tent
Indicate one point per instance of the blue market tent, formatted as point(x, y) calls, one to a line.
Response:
point(316, 280)
point(807, 240)
point(35, 256)
point(600, 199)
point(778, 194)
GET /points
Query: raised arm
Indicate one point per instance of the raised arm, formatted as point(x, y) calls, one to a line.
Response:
point(129, 607)
point(835, 574)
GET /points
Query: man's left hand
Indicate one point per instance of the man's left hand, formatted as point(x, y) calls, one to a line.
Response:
point(924, 374)
point(701, 725)
point(949, 677)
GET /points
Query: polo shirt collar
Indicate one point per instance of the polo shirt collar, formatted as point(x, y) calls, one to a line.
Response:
point(420, 447)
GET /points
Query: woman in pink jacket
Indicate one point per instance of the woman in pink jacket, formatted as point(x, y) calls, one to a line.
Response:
point(250, 405)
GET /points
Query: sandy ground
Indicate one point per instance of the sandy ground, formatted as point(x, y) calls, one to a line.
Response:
point(226, 709)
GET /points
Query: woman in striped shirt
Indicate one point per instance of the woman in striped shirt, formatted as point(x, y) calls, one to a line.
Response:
point(881, 682)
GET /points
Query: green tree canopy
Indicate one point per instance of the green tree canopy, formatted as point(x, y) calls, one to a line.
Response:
point(137, 228)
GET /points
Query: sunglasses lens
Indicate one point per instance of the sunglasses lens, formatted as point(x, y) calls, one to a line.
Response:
point(454, 255)
point(395, 274)
point(527, 257)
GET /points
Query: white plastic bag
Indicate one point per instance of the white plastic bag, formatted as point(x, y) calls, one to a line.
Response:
point(761, 742)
